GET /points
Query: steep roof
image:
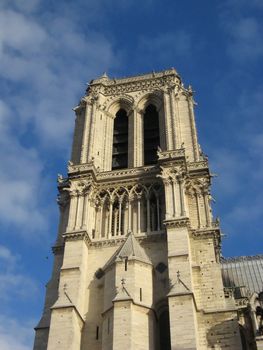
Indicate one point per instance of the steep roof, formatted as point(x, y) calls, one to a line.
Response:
point(244, 273)
point(130, 249)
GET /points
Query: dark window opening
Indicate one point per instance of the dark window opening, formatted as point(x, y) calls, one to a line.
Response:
point(151, 135)
point(140, 294)
point(120, 141)
point(164, 326)
point(97, 332)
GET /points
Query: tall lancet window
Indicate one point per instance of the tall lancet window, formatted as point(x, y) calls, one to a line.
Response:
point(120, 141)
point(151, 134)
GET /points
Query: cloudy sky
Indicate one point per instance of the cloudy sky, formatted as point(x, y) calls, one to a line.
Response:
point(50, 49)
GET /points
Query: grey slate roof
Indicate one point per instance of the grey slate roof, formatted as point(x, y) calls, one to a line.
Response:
point(245, 273)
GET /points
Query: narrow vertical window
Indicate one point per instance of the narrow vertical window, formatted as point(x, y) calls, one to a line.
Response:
point(151, 135)
point(97, 332)
point(140, 294)
point(120, 141)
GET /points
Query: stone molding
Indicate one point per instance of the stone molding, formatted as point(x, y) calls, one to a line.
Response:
point(177, 222)
point(76, 236)
point(147, 82)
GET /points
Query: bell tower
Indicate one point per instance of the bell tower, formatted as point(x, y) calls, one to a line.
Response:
point(136, 261)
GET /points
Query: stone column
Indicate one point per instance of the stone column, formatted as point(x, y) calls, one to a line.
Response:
point(198, 208)
point(168, 128)
point(193, 129)
point(110, 220)
point(119, 228)
point(173, 117)
point(85, 138)
point(79, 215)
point(139, 214)
point(148, 228)
point(92, 132)
point(174, 185)
point(182, 198)
point(72, 211)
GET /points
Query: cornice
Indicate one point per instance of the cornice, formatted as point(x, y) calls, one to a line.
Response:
point(111, 242)
point(148, 82)
point(76, 236)
point(171, 154)
point(128, 173)
point(177, 222)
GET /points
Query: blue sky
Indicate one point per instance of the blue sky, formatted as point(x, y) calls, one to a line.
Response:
point(50, 49)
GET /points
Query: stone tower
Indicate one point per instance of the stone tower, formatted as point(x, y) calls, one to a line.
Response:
point(137, 258)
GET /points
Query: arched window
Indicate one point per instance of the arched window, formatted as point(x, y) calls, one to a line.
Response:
point(120, 141)
point(151, 135)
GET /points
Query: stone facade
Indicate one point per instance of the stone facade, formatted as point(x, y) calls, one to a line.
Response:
point(137, 258)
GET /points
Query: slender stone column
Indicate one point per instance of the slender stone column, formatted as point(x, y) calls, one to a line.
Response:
point(138, 138)
point(167, 198)
point(129, 214)
point(115, 218)
point(92, 133)
point(174, 197)
point(76, 212)
point(72, 211)
point(119, 228)
point(173, 116)
point(148, 214)
point(198, 209)
point(193, 129)
point(182, 199)
point(84, 211)
point(178, 140)
point(207, 216)
point(110, 220)
point(139, 214)
point(101, 219)
point(167, 113)
point(85, 138)
point(78, 222)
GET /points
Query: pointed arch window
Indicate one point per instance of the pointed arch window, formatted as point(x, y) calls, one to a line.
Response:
point(120, 141)
point(151, 134)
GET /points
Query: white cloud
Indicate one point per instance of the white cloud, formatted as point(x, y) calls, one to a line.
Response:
point(13, 282)
point(7, 257)
point(15, 335)
point(243, 26)
point(19, 179)
point(44, 60)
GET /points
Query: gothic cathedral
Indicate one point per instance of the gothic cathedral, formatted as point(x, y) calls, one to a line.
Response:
point(137, 257)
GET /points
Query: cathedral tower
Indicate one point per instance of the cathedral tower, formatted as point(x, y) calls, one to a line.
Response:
point(137, 258)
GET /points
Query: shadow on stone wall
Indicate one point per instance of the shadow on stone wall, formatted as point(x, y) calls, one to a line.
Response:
point(227, 335)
